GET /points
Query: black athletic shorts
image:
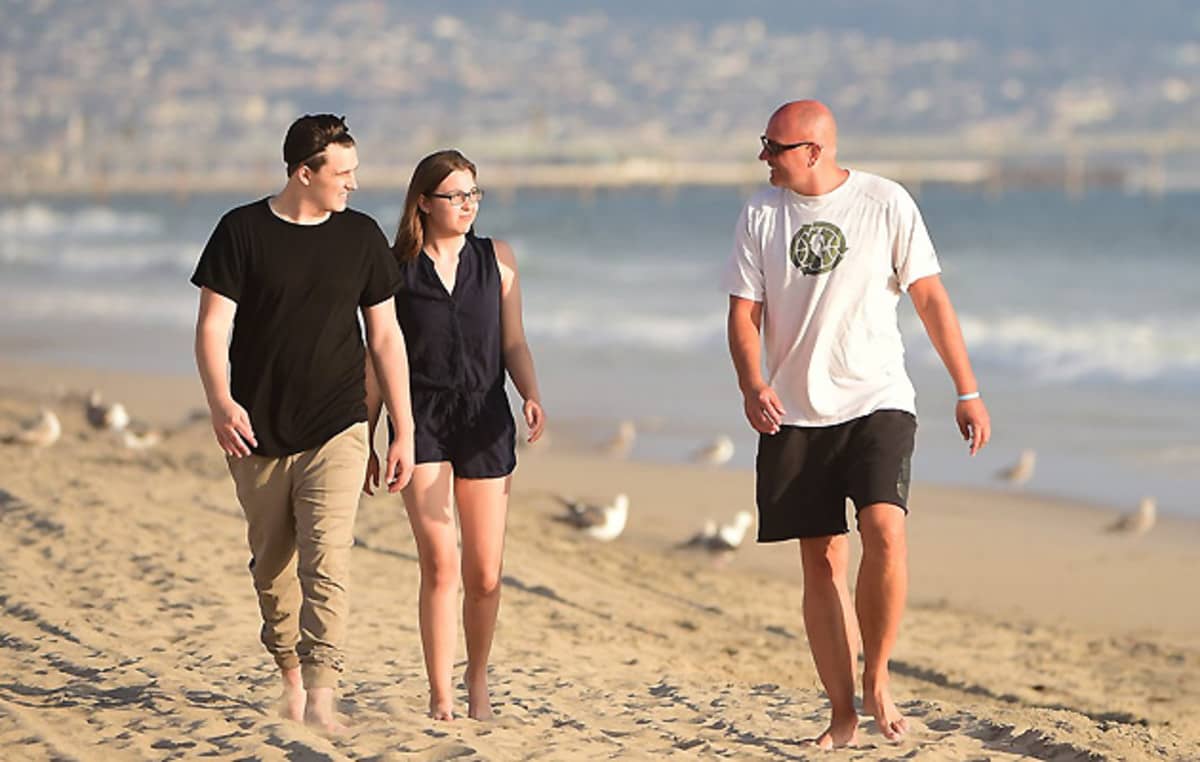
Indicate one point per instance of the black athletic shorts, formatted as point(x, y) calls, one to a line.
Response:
point(805, 473)
point(480, 447)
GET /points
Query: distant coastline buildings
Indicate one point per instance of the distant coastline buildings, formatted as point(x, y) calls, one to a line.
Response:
point(188, 98)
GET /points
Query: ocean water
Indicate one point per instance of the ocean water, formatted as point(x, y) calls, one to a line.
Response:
point(1081, 316)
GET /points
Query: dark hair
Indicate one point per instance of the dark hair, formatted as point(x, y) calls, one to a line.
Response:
point(308, 137)
point(430, 171)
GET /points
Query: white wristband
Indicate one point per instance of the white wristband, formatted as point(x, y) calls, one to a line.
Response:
point(968, 396)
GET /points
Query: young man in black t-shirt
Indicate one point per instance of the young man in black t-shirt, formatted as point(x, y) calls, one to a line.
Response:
point(289, 274)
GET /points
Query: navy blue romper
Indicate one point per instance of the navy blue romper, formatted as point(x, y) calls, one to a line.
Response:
point(456, 363)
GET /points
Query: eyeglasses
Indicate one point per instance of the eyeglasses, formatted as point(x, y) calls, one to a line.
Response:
point(774, 149)
point(458, 198)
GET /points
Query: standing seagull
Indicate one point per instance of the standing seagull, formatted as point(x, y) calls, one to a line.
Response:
point(703, 538)
point(715, 453)
point(1138, 522)
point(140, 439)
point(730, 536)
point(727, 537)
point(42, 432)
point(601, 522)
point(1022, 471)
point(620, 445)
point(113, 417)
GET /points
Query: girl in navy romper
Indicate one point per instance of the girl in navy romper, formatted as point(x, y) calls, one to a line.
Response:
point(459, 306)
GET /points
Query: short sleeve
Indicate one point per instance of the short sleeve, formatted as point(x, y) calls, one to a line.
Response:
point(913, 256)
point(222, 266)
point(744, 273)
point(382, 273)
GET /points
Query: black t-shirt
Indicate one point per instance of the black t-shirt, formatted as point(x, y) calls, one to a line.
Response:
point(297, 353)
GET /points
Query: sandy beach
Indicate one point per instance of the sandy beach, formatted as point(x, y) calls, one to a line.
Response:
point(130, 629)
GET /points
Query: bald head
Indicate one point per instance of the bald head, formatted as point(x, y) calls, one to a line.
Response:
point(809, 120)
point(800, 147)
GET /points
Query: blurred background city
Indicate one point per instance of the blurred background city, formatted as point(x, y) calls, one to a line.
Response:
point(126, 96)
point(1052, 147)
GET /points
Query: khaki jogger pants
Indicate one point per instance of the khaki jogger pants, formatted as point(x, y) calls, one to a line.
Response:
point(300, 513)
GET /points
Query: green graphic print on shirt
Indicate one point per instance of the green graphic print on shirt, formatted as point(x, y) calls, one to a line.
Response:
point(817, 248)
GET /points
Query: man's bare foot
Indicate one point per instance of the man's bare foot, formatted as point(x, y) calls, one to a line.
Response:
point(291, 703)
point(479, 700)
point(877, 701)
point(842, 731)
point(319, 713)
point(441, 710)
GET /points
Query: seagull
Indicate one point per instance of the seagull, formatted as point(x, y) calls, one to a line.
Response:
point(727, 537)
point(113, 417)
point(601, 522)
point(730, 536)
point(703, 538)
point(42, 432)
point(1022, 471)
point(621, 444)
point(140, 440)
point(1138, 522)
point(715, 453)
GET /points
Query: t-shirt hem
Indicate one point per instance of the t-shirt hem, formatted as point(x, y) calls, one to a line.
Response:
point(846, 418)
point(313, 443)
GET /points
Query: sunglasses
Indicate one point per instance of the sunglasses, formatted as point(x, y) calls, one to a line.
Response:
point(774, 149)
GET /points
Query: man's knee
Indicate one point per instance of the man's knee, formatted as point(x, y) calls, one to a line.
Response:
point(322, 566)
point(268, 568)
point(882, 527)
point(825, 559)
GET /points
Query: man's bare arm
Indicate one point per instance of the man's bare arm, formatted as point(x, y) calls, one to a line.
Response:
point(763, 409)
point(933, 306)
point(389, 357)
point(231, 422)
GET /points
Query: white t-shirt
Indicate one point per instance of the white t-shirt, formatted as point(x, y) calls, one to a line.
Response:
point(829, 271)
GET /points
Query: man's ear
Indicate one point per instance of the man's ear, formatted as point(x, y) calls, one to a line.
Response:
point(304, 174)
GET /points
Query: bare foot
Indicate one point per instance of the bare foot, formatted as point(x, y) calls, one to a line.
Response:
point(291, 705)
point(479, 700)
point(877, 701)
point(328, 725)
point(319, 713)
point(441, 711)
point(291, 702)
point(842, 731)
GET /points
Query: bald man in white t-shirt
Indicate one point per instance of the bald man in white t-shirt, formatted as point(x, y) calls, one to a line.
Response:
point(820, 262)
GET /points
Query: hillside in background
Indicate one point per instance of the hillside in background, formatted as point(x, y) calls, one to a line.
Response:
point(196, 87)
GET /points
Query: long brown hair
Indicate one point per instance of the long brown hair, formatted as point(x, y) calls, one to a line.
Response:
point(430, 171)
